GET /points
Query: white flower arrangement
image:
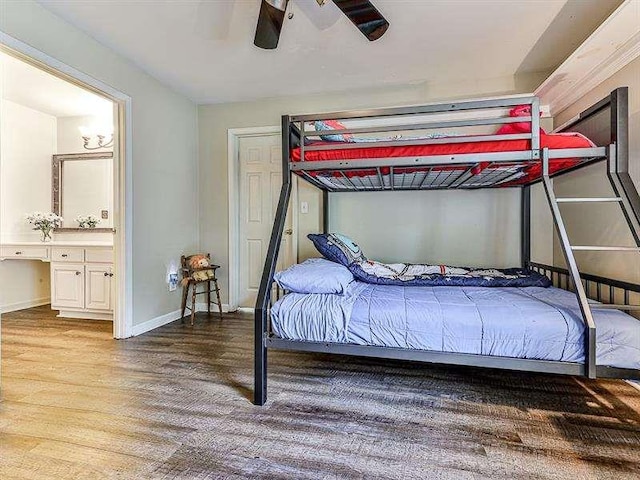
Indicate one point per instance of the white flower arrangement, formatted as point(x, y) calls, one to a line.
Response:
point(87, 221)
point(45, 222)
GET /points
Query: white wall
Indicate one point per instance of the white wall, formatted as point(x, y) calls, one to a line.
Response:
point(603, 224)
point(27, 141)
point(164, 150)
point(542, 228)
point(466, 228)
point(24, 284)
point(215, 120)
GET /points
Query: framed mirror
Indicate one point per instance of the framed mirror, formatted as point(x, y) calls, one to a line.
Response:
point(82, 186)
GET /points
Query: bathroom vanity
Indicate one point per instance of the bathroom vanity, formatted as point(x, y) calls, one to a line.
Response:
point(82, 274)
point(80, 259)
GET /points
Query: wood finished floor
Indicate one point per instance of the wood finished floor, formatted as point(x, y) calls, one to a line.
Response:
point(174, 404)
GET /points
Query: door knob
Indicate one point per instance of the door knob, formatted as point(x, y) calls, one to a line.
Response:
point(288, 231)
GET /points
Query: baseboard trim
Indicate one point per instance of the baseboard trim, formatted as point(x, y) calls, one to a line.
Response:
point(155, 323)
point(14, 307)
point(202, 307)
point(170, 317)
point(84, 315)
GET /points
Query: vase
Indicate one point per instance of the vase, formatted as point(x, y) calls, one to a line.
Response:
point(46, 235)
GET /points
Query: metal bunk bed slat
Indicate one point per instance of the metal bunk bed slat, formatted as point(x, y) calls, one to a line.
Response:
point(404, 143)
point(501, 102)
point(421, 126)
point(413, 161)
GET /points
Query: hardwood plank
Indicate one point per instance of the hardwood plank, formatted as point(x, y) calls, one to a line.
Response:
point(174, 403)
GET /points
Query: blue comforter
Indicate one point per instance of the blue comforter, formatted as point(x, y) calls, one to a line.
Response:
point(531, 322)
point(421, 275)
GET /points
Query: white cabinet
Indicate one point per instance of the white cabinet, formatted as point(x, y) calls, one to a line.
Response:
point(67, 285)
point(97, 286)
point(82, 276)
point(82, 290)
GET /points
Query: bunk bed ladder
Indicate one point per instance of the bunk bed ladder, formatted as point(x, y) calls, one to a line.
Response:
point(572, 266)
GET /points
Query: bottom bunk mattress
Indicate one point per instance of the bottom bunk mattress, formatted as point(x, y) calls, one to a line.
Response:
point(531, 322)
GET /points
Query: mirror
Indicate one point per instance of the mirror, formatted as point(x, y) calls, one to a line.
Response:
point(82, 185)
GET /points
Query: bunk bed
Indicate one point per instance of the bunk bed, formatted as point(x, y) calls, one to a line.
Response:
point(342, 160)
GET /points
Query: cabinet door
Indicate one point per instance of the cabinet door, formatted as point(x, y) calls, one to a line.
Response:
point(98, 286)
point(67, 285)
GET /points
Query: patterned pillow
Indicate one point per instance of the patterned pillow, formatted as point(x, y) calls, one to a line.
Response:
point(337, 248)
point(326, 125)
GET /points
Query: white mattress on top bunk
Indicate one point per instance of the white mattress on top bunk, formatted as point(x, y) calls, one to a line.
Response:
point(530, 322)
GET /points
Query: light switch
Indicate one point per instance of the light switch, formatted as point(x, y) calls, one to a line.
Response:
point(104, 214)
point(304, 207)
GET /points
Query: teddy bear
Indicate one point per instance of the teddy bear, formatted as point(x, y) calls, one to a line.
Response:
point(198, 266)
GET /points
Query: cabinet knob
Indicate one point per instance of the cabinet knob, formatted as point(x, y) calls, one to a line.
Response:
point(106, 274)
point(77, 273)
point(64, 255)
point(111, 274)
point(18, 253)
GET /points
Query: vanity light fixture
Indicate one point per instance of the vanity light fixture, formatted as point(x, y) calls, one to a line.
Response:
point(94, 138)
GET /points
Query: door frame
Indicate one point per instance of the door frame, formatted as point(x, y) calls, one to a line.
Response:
point(233, 169)
point(123, 171)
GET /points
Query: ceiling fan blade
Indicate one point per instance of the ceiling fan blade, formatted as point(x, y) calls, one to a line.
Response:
point(270, 23)
point(364, 16)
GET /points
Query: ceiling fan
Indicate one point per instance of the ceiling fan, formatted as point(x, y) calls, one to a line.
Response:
point(362, 14)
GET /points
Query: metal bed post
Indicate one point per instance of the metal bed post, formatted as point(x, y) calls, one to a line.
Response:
point(264, 293)
point(525, 227)
point(535, 127)
point(325, 211)
point(618, 161)
point(572, 266)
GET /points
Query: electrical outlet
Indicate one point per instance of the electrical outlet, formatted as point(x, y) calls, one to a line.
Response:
point(173, 282)
point(105, 214)
point(304, 207)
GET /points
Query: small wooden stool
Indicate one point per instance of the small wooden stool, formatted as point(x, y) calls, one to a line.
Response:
point(187, 273)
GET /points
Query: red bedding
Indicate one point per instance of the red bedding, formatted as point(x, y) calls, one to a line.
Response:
point(552, 141)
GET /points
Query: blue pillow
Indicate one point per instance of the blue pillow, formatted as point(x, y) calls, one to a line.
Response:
point(337, 248)
point(315, 275)
point(328, 125)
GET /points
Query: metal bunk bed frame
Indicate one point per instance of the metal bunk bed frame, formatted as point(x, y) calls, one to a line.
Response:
point(607, 120)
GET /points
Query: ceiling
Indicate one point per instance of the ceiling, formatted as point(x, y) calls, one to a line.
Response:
point(34, 88)
point(204, 48)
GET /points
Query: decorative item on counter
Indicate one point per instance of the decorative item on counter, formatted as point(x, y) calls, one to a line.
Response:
point(45, 222)
point(87, 221)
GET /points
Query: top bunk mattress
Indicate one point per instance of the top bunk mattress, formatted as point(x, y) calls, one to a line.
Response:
point(482, 173)
point(369, 150)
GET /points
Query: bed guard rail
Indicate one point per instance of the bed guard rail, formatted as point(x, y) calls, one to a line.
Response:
point(612, 293)
point(385, 122)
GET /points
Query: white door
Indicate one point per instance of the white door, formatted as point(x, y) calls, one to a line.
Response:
point(260, 182)
point(98, 287)
point(67, 285)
